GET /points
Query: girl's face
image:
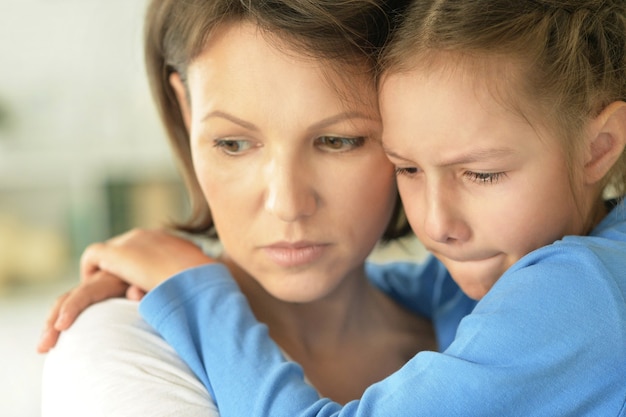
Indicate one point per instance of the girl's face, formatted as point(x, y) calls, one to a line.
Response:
point(297, 182)
point(481, 186)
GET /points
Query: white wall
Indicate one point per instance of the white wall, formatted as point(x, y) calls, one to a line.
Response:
point(79, 111)
point(72, 82)
point(72, 74)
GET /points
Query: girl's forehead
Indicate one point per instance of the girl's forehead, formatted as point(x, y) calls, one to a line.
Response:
point(482, 69)
point(484, 98)
point(506, 80)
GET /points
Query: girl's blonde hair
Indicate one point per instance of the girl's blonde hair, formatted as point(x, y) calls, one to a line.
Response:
point(569, 55)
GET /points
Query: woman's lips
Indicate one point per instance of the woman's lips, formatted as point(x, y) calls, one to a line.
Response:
point(291, 255)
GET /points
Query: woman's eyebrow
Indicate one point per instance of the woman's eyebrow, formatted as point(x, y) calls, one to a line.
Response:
point(231, 118)
point(324, 123)
point(348, 115)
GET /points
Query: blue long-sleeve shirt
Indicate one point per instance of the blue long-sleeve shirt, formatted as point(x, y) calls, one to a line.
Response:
point(549, 339)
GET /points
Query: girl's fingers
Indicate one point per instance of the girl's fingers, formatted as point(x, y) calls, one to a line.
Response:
point(48, 340)
point(100, 286)
point(90, 261)
point(135, 293)
point(50, 334)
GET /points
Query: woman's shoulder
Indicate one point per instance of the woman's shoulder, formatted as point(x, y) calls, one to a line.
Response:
point(113, 363)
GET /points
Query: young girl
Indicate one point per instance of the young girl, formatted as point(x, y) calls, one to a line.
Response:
point(272, 110)
point(506, 122)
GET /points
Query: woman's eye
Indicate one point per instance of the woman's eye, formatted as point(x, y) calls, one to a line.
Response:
point(232, 146)
point(410, 171)
point(485, 177)
point(338, 143)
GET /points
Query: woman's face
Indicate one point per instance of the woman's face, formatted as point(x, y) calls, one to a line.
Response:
point(297, 182)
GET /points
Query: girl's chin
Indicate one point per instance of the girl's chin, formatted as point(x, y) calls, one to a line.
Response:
point(475, 278)
point(473, 291)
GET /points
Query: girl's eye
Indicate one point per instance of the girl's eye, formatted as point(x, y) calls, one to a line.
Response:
point(338, 143)
point(485, 177)
point(410, 171)
point(232, 146)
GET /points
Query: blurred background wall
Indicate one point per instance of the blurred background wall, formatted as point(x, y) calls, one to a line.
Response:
point(79, 137)
point(82, 157)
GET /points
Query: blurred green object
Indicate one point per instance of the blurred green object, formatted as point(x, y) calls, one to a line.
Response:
point(5, 115)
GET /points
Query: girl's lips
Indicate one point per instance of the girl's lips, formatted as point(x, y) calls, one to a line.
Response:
point(472, 257)
point(294, 255)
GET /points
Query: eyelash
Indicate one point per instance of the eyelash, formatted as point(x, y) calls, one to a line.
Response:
point(350, 142)
point(222, 144)
point(322, 141)
point(486, 178)
point(405, 171)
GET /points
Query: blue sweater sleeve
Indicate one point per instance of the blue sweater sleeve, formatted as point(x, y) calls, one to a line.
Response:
point(428, 290)
point(178, 309)
point(532, 346)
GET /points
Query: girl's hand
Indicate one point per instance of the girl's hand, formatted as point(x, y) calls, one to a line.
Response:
point(143, 258)
point(130, 265)
point(100, 286)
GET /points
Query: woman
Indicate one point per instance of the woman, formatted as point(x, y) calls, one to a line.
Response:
point(272, 111)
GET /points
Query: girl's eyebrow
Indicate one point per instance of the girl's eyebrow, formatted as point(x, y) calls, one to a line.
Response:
point(475, 155)
point(394, 155)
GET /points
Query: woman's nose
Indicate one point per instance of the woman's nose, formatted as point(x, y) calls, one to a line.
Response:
point(290, 194)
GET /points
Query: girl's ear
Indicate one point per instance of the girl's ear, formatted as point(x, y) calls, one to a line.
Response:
point(606, 143)
point(181, 95)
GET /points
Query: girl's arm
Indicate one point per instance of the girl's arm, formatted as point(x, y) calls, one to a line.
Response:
point(202, 313)
point(518, 353)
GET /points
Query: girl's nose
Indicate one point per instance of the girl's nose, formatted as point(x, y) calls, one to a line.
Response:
point(290, 195)
point(443, 220)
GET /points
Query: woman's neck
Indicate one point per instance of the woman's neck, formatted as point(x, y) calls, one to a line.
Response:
point(346, 341)
point(316, 326)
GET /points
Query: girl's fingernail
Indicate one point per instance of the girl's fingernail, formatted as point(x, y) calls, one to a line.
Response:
point(44, 337)
point(60, 320)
